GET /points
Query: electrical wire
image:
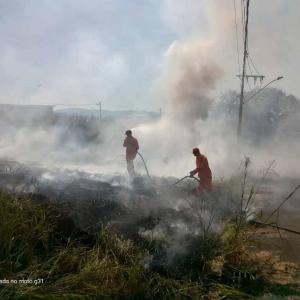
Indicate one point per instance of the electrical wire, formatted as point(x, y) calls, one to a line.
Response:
point(253, 65)
point(251, 73)
point(247, 80)
point(243, 19)
point(237, 38)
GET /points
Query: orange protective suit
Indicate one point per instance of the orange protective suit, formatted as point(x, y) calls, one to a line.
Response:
point(132, 147)
point(204, 173)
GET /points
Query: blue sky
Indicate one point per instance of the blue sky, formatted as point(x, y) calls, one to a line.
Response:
point(83, 51)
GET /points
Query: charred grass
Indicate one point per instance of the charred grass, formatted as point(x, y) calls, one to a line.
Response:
point(39, 241)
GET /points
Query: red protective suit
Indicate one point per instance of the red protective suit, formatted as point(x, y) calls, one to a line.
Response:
point(132, 146)
point(204, 173)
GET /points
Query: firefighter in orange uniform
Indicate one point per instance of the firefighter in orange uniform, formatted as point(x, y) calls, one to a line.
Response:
point(203, 170)
point(132, 146)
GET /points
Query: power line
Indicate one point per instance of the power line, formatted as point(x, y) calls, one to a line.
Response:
point(243, 19)
point(253, 64)
point(244, 73)
point(237, 37)
point(255, 74)
point(251, 73)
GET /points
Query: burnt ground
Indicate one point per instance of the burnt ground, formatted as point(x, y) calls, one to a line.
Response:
point(91, 201)
point(156, 209)
point(92, 198)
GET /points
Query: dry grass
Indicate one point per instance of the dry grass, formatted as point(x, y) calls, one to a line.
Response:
point(215, 266)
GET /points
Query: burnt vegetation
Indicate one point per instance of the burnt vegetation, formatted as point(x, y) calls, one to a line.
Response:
point(88, 239)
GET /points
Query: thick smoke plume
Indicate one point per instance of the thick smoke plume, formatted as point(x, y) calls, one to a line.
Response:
point(192, 77)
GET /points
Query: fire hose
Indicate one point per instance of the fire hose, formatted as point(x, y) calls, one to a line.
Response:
point(178, 181)
point(183, 178)
point(140, 155)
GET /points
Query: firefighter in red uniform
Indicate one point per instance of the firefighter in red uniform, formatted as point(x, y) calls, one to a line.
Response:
point(203, 170)
point(132, 146)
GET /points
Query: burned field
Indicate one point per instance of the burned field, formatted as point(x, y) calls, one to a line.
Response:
point(201, 98)
point(93, 237)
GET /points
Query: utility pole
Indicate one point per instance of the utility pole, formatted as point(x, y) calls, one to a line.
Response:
point(100, 110)
point(244, 72)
